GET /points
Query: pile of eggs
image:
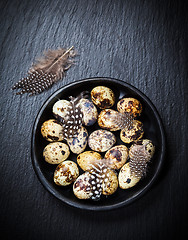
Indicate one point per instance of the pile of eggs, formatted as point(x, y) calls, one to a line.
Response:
point(101, 143)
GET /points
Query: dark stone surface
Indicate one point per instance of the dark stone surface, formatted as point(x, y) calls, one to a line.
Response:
point(141, 42)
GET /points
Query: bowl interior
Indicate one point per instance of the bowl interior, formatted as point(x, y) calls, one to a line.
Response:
point(152, 130)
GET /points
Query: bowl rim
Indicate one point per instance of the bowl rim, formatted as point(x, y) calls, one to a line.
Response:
point(83, 206)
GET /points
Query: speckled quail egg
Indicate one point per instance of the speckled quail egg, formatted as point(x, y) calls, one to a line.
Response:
point(101, 140)
point(103, 97)
point(110, 184)
point(105, 120)
point(130, 105)
point(117, 155)
point(132, 134)
point(60, 109)
point(149, 147)
point(52, 130)
point(126, 179)
point(79, 143)
point(82, 186)
point(66, 173)
point(56, 152)
point(84, 159)
point(89, 111)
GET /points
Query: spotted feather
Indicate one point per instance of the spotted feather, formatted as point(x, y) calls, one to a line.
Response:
point(122, 120)
point(139, 158)
point(72, 123)
point(99, 175)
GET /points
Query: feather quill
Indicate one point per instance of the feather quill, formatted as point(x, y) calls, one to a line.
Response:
point(46, 71)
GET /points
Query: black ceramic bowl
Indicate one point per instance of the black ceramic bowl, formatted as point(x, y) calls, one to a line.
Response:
point(152, 127)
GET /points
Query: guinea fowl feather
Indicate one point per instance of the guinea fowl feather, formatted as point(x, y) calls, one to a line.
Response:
point(99, 176)
point(122, 120)
point(72, 123)
point(139, 158)
point(46, 71)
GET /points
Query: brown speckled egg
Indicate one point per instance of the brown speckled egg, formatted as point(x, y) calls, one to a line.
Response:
point(110, 184)
point(60, 109)
point(134, 133)
point(56, 152)
point(66, 173)
point(84, 159)
point(126, 179)
point(103, 97)
point(130, 105)
point(101, 140)
point(104, 120)
point(89, 111)
point(149, 147)
point(79, 143)
point(82, 187)
point(52, 130)
point(118, 156)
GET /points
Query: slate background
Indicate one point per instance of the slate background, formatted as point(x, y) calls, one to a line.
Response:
point(143, 43)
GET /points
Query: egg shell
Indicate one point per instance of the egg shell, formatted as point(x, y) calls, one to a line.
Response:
point(149, 147)
point(79, 143)
point(101, 140)
point(117, 155)
point(66, 173)
point(111, 184)
point(134, 133)
point(82, 186)
point(56, 152)
point(52, 130)
point(105, 122)
point(130, 105)
point(89, 111)
point(103, 97)
point(126, 179)
point(84, 159)
point(60, 109)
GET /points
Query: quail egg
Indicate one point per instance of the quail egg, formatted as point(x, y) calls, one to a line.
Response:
point(79, 143)
point(105, 120)
point(56, 152)
point(132, 134)
point(110, 184)
point(60, 109)
point(52, 130)
point(84, 159)
point(103, 97)
point(82, 187)
point(66, 173)
point(89, 112)
point(117, 156)
point(126, 179)
point(101, 140)
point(149, 147)
point(130, 105)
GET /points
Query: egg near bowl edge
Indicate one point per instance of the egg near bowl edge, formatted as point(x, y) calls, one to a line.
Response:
point(103, 97)
point(56, 152)
point(66, 173)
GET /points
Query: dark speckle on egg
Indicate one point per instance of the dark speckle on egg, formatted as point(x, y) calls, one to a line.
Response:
point(84, 134)
point(117, 154)
point(53, 138)
point(128, 180)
